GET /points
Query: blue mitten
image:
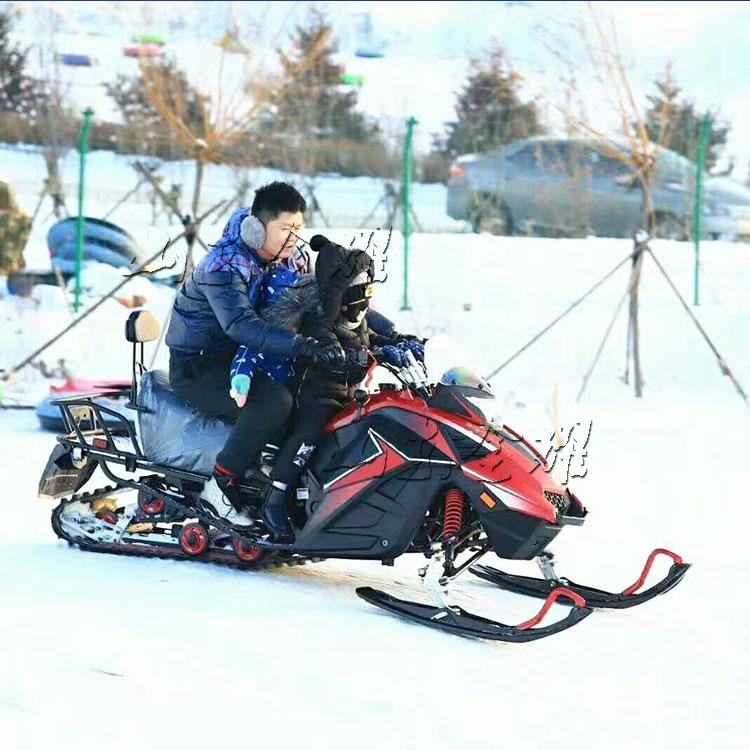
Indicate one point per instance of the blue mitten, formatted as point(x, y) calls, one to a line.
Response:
point(416, 347)
point(239, 387)
point(394, 355)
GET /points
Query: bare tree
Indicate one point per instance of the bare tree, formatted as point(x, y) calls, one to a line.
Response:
point(209, 126)
point(604, 62)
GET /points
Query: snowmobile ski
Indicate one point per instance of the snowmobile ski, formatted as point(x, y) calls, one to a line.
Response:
point(598, 598)
point(454, 619)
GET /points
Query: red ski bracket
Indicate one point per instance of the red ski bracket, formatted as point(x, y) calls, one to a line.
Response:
point(676, 559)
point(558, 593)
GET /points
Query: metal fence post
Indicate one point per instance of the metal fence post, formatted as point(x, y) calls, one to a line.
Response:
point(80, 221)
point(406, 205)
point(698, 219)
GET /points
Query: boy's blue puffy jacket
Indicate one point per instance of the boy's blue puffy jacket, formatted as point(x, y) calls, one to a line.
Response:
point(274, 287)
point(217, 308)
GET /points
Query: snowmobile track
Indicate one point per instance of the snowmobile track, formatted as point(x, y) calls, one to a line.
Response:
point(167, 552)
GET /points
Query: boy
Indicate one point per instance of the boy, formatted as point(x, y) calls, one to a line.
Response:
point(332, 307)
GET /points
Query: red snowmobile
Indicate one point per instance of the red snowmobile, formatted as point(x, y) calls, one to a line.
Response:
point(415, 468)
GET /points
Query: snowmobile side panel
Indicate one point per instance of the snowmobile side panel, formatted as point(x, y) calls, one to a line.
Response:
point(377, 520)
point(513, 535)
point(376, 479)
point(500, 458)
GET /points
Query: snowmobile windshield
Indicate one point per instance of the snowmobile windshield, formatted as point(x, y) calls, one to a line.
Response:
point(467, 382)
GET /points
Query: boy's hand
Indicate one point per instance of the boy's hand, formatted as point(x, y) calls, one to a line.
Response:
point(239, 388)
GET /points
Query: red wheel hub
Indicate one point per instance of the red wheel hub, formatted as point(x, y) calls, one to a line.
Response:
point(108, 516)
point(246, 551)
point(194, 539)
point(150, 505)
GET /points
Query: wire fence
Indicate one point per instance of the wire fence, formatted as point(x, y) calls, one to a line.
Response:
point(116, 191)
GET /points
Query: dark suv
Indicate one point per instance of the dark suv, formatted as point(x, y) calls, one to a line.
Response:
point(569, 188)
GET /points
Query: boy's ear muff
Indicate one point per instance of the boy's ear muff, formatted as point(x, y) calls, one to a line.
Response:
point(252, 232)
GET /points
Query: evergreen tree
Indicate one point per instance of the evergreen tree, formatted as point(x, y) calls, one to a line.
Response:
point(19, 92)
point(489, 110)
point(311, 96)
point(674, 122)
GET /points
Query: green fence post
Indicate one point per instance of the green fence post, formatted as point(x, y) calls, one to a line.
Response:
point(406, 205)
point(698, 218)
point(83, 147)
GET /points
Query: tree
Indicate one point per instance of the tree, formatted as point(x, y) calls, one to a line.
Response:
point(146, 124)
point(312, 116)
point(489, 110)
point(675, 122)
point(19, 92)
point(15, 227)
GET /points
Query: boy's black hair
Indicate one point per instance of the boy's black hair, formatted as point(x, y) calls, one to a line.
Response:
point(273, 199)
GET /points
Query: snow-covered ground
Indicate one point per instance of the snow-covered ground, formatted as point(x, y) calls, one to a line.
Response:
point(100, 650)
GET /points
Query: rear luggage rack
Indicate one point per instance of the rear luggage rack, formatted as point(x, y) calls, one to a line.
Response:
point(78, 410)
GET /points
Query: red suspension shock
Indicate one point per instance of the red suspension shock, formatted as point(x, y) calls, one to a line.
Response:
point(453, 517)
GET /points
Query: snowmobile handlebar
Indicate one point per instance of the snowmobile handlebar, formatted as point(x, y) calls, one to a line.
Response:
point(413, 375)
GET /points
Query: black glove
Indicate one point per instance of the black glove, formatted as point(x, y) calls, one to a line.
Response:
point(317, 352)
point(397, 337)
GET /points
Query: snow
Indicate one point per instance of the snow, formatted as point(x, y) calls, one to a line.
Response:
point(105, 651)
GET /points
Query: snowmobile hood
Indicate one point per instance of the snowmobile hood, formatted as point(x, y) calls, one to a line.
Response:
point(501, 459)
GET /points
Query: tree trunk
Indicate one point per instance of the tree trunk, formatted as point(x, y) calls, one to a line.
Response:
point(633, 327)
point(191, 230)
point(197, 186)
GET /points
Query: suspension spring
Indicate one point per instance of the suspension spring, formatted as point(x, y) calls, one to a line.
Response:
point(453, 518)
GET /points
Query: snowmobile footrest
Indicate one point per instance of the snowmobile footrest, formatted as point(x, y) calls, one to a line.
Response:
point(460, 622)
point(630, 597)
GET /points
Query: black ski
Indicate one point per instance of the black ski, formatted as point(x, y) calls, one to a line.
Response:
point(630, 597)
point(458, 621)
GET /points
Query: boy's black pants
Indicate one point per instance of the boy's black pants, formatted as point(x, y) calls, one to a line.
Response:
point(318, 399)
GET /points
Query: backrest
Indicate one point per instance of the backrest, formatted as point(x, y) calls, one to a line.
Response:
point(141, 326)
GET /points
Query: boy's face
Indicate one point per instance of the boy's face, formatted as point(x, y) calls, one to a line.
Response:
point(282, 234)
point(357, 302)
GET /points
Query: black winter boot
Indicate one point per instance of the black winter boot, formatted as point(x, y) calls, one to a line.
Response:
point(275, 512)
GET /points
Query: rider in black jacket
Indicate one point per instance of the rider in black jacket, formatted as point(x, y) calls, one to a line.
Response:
point(345, 285)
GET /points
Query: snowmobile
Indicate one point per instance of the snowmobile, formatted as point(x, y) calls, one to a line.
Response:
point(410, 467)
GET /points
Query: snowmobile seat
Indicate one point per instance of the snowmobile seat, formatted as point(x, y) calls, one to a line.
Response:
point(172, 432)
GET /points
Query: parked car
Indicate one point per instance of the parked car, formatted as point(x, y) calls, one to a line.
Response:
point(726, 210)
point(557, 187)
